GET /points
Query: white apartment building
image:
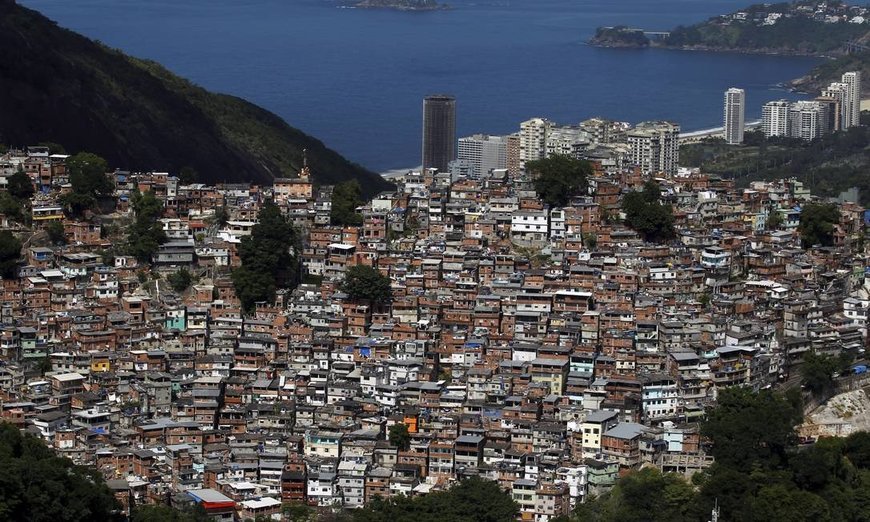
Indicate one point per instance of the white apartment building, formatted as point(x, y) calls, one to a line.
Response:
point(852, 102)
point(483, 153)
point(533, 140)
point(655, 146)
point(529, 226)
point(774, 118)
point(804, 120)
point(735, 108)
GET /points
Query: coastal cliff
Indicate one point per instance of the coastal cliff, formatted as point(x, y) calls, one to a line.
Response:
point(801, 28)
point(620, 36)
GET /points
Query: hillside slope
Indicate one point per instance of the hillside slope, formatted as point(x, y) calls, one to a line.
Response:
point(58, 86)
point(832, 70)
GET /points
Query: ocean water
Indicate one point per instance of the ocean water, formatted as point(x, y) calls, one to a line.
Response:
point(356, 78)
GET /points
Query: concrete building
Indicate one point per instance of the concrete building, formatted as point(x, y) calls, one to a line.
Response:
point(774, 118)
point(655, 146)
point(852, 102)
point(735, 109)
point(804, 117)
point(483, 153)
point(533, 140)
point(439, 131)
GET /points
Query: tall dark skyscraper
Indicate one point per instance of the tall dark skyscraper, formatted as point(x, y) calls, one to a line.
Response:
point(439, 131)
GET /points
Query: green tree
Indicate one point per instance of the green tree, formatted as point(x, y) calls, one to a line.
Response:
point(750, 428)
point(817, 224)
point(399, 436)
point(590, 240)
point(87, 175)
point(470, 500)
point(559, 178)
point(647, 215)
point(146, 233)
point(10, 207)
point(364, 283)
point(10, 253)
point(162, 513)
point(644, 496)
point(56, 233)
point(38, 486)
point(774, 220)
point(298, 512)
point(817, 373)
point(20, 185)
point(181, 280)
point(346, 197)
point(270, 258)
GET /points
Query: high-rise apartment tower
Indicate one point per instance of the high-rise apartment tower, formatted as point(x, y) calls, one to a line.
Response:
point(735, 108)
point(439, 131)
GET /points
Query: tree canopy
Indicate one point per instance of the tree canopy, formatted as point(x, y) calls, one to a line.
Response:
point(470, 500)
point(162, 513)
point(270, 258)
point(364, 283)
point(645, 496)
point(10, 252)
point(181, 280)
point(56, 232)
point(146, 233)
point(346, 197)
point(760, 474)
point(399, 436)
point(38, 486)
point(19, 185)
point(87, 175)
point(559, 178)
point(647, 215)
point(817, 224)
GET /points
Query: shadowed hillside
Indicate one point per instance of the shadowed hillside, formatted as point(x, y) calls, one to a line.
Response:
point(58, 86)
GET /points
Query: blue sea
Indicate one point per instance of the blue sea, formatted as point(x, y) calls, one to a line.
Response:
point(356, 78)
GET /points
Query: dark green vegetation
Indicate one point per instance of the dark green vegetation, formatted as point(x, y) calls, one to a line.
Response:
point(10, 252)
point(760, 474)
point(90, 184)
point(364, 283)
point(832, 71)
point(798, 34)
point(559, 178)
point(19, 185)
point(471, 500)
point(647, 215)
point(399, 436)
point(154, 513)
point(37, 486)
point(270, 258)
point(146, 233)
point(181, 280)
point(56, 233)
point(345, 198)
point(818, 371)
point(817, 224)
point(827, 165)
point(60, 86)
point(619, 36)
